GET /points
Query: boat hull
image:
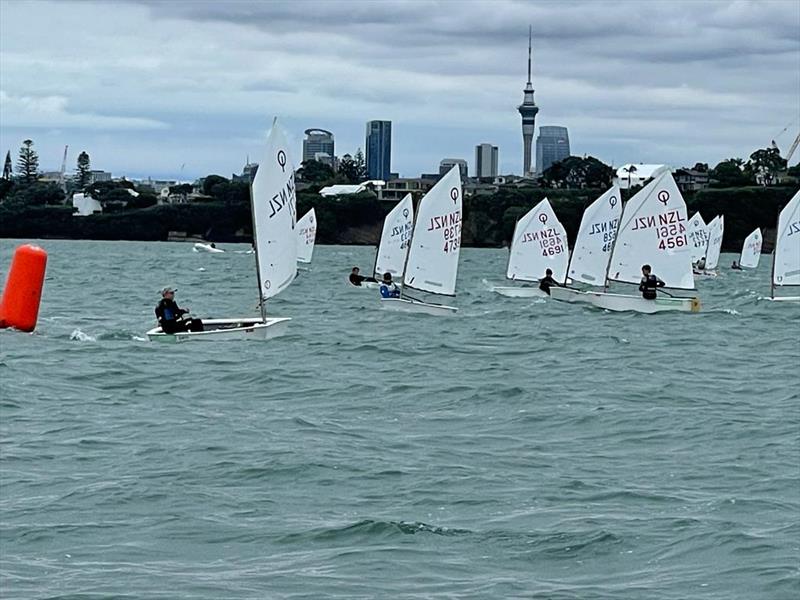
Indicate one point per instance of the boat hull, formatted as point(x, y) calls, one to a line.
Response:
point(415, 306)
point(219, 330)
point(519, 292)
point(207, 248)
point(789, 299)
point(569, 295)
point(630, 303)
point(366, 285)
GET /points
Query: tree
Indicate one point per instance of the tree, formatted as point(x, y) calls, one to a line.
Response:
point(28, 162)
point(35, 194)
point(84, 170)
point(353, 168)
point(730, 173)
point(700, 167)
point(7, 168)
point(765, 164)
point(209, 181)
point(314, 171)
point(577, 172)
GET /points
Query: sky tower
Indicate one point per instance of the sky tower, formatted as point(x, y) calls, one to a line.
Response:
point(528, 110)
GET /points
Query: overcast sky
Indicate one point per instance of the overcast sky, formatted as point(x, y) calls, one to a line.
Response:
point(189, 88)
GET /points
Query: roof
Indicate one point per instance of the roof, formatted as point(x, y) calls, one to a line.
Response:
point(642, 171)
point(341, 189)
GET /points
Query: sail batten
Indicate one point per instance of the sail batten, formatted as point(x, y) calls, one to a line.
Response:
point(395, 239)
point(595, 239)
point(432, 263)
point(539, 243)
point(274, 216)
point(653, 230)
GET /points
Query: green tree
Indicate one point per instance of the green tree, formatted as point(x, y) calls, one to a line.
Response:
point(347, 169)
point(209, 181)
point(84, 170)
point(314, 171)
point(730, 173)
point(7, 168)
point(577, 173)
point(360, 166)
point(765, 164)
point(28, 162)
point(35, 194)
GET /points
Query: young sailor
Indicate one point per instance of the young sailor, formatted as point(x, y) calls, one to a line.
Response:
point(388, 287)
point(546, 282)
point(170, 315)
point(736, 266)
point(649, 284)
point(357, 279)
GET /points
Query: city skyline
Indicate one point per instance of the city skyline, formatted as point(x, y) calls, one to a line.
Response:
point(163, 97)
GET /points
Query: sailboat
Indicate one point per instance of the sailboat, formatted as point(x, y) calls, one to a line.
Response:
point(652, 231)
point(697, 231)
point(716, 229)
point(589, 259)
point(432, 260)
point(539, 243)
point(751, 250)
point(306, 235)
point(395, 240)
point(273, 203)
point(390, 256)
point(786, 257)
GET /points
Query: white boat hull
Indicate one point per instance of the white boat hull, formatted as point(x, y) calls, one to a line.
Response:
point(570, 295)
point(519, 292)
point(365, 285)
point(627, 302)
point(218, 330)
point(198, 247)
point(415, 306)
point(789, 299)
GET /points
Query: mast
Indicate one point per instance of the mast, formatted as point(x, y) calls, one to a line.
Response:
point(774, 256)
point(262, 303)
point(408, 251)
point(613, 244)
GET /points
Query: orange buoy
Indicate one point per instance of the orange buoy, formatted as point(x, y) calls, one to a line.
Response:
point(19, 307)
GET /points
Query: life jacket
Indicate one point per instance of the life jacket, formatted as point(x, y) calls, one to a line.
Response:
point(649, 286)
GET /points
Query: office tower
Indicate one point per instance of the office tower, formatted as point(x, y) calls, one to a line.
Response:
point(486, 160)
point(379, 149)
point(552, 145)
point(318, 141)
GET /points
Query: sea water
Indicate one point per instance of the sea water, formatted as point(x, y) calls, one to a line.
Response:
point(523, 448)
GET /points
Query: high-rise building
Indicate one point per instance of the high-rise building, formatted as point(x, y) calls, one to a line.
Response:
point(379, 149)
point(552, 145)
point(486, 160)
point(528, 110)
point(318, 141)
point(448, 163)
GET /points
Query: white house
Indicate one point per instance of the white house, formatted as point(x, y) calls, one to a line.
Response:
point(86, 205)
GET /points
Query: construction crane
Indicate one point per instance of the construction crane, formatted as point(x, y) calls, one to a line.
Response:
point(61, 179)
point(792, 148)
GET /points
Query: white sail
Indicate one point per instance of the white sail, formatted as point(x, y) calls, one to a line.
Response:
point(715, 231)
point(395, 239)
point(432, 264)
point(751, 250)
point(274, 213)
point(697, 230)
point(786, 268)
point(653, 231)
point(596, 239)
point(539, 243)
point(306, 235)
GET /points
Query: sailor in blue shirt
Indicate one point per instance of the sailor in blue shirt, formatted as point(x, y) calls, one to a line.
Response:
point(388, 287)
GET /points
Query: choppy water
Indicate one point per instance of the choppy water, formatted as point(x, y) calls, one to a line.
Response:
point(520, 449)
